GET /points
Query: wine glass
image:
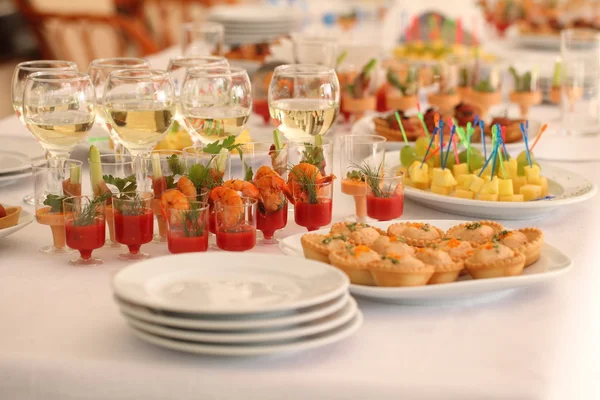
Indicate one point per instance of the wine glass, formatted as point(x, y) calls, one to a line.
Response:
point(360, 154)
point(85, 227)
point(202, 38)
point(98, 71)
point(315, 50)
point(139, 105)
point(59, 109)
point(304, 99)
point(216, 102)
point(178, 69)
point(22, 71)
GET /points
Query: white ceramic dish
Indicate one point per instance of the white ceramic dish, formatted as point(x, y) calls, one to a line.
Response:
point(11, 162)
point(306, 343)
point(540, 42)
point(320, 325)
point(366, 126)
point(25, 218)
point(217, 283)
point(9, 179)
point(27, 146)
point(243, 322)
point(251, 14)
point(552, 264)
point(567, 187)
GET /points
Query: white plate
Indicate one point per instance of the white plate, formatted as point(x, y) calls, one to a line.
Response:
point(567, 187)
point(25, 218)
point(24, 145)
point(540, 42)
point(11, 162)
point(218, 323)
point(250, 14)
point(221, 283)
point(307, 343)
point(366, 126)
point(320, 325)
point(551, 264)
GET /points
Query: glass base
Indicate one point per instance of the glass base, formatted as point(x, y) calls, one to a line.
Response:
point(29, 199)
point(354, 218)
point(159, 239)
point(133, 257)
point(113, 245)
point(50, 249)
point(90, 262)
point(267, 242)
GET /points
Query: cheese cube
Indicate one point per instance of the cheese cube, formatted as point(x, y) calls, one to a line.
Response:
point(505, 187)
point(467, 181)
point(505, 198)
point(441, 190)
point(487, 197)
point(531, 192)
point(421, 185)
point(532, 174)
point(476, 184)
point(419, 173)
point(518, 197)
point(460, 170)
point(490, 187)
point(511, 167)
point(464, 194)
point(487, 172)
point(544, 185)
point(443, 178)
point(518, 181)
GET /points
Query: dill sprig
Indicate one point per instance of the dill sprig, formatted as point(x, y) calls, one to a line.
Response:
point(373, 177)
point(131, 204)
point(90, 212)
point(191, 221)
point(313, 154)
point(307, 183)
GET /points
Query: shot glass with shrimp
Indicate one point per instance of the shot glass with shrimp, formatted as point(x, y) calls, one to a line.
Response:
point(313, 200)
point(236, 222)
point(134, 222)
point(272, 205)
point(167, 172)
point(188, 228)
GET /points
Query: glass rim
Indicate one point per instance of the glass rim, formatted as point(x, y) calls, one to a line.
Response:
point(59, 76)
point(204, 207)
point(90, 197)
point(166, 151)
point(191, 60)
point(327, 183)
point(112, 62)
point(144, 73)
point(195, 151)
point(208, 71)
point(106, 155)
point(202, 26)
point(149, 195)
point(247, 201)
point(365, 137)
point(27, 65)
point(303, 70)
point(67, 161)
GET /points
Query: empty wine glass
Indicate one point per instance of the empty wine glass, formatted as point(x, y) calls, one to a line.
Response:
point(304, 100)
point(98, 71)
point(216, 102)
point(202, 39)
point(317, 50)
point(139, 105)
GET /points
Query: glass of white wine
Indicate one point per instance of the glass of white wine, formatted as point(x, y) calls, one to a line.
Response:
point(178, 69)
point(304, 99)
point(216, 102)
point(139, 106)
point(59, 109)
point(20, 74)
point(98, 71)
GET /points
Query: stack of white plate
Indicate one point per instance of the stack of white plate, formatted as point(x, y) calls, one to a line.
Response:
point(17, 155)
point(250, 304)
point(247, 24)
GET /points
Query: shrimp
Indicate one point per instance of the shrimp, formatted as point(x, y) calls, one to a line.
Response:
point(265, 171)
point(185, 186)
point(246, 188)
point(270, 189)
point(230, 211)
point(301, 174)
point(173, 198)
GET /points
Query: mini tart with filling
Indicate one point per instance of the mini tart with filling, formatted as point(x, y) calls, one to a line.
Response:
point(493, 260)
point(477, 233)
point(11, 218)
point(395, 270)
point(346, 228)
point(456, 248)
point(366, 236)
point(392, 244)
point(446, 269)
point(354, 261)
point(416, 234)
point(317, 247)
point(528, 241)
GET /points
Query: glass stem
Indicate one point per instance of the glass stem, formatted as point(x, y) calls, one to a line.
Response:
point(140, 172)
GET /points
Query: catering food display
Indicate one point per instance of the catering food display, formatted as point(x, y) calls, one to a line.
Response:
point(358, 97)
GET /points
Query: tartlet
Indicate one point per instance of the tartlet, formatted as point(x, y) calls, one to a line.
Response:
point(366, 236)
point(493, 260)
point(392, 244)
point(446, 269)
point(395, 270)
point(415, 233)
point(11, 218)
point(457, 249)
point(346, 228)
point(354, 261)
point(528, 241)
point(478, 232)
point(317, 247)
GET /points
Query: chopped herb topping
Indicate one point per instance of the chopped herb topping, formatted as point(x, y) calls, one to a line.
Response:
point(473, 226)
point(329, 239)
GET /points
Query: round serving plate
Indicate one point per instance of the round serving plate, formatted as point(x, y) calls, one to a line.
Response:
point(25, 218)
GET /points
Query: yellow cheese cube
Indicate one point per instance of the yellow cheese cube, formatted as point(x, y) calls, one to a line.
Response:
point(518, 181)
point(406, 181)
point(544, 185)
point(460, 170)
point(460, 180)
point(467, 179)
point(464, 194)
point(442, 190)
point(505, 187)
point(511, 167)
point(532, 174)
point(421, 185)
point(531, 192)
point(476, 184)
point(490, 187)
point(487, 197)
point(518, 197)
point(443, 178)
point(419, 173)
point(505, 198)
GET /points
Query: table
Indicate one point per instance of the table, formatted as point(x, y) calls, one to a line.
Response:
point(62, 337)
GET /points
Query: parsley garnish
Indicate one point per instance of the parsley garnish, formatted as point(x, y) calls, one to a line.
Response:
point(127, 184)
point(175, 165)
point(426, 227)
point(228, 144)
point(355, 176)
point(55, 202)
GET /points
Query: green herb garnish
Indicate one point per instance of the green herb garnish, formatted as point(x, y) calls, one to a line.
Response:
point(55, 202)
point(90, 212)
point(134, 204)
point(191, 222)
point(522, 82)
point(228, 144)
point(175, 165)
point(473, 226)
point(373, 178)
point(355, 176)
point(204, 176)
point(408, 87)
point(127, 184)
point(308, 184)
point(332, 238)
